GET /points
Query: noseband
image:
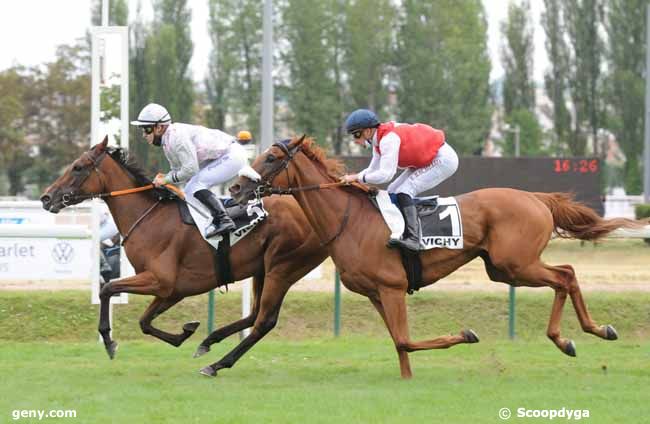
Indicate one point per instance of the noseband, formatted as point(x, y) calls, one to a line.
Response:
point(265, 187)
point(68, 198)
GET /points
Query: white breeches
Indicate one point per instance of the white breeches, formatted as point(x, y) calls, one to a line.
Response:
point(415, 181)
point(218, 171)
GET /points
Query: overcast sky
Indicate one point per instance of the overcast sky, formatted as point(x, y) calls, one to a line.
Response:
point(30, 30)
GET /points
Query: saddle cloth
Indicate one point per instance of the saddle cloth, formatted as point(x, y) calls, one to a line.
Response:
point(440, 220)
point(246, 217)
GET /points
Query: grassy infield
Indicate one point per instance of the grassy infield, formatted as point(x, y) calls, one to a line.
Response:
point(49, 360)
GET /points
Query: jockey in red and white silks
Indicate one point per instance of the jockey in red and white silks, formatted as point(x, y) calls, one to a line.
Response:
point(420, 150)
point(200, 156)
point(423, 153)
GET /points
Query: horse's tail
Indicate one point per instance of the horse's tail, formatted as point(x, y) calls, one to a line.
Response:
point(579, 221)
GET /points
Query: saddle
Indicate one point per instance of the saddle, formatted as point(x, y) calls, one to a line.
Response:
point(440, 225)
point(244, 223)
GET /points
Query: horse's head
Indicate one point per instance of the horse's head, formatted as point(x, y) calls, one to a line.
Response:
point(266, 171)
point(77, 180)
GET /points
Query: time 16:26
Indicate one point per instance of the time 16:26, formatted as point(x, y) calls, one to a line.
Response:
point(582, 166)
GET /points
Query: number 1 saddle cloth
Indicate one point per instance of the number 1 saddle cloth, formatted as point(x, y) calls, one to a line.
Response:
point(441, 225)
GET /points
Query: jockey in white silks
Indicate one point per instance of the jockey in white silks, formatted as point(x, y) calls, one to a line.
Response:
point(200, 156)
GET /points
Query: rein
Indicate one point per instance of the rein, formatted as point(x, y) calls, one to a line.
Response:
point(267, 188)
point(72, 197)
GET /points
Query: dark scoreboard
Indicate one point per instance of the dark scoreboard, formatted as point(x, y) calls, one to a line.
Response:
point(580, 176)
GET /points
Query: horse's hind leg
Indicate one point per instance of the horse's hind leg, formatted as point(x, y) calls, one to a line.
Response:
point(562, 280)
point(394, 306)
point(227, 330)
point(588, 325)
point(156, 308)
point(267, 317)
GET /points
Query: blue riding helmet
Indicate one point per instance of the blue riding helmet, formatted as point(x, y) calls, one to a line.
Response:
point(361, 119)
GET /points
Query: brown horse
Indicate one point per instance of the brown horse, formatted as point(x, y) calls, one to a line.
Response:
point(171, 259)
point(507, 228)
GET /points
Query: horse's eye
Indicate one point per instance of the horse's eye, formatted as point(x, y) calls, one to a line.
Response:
point(76, 168)
point(270, 158)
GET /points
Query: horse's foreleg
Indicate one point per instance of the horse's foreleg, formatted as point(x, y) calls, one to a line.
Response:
point(158, 307)
point(270, 304)
point(404, 363)
point(395, 316)
point(105, 326)
point(142, 283)
point(234, 327)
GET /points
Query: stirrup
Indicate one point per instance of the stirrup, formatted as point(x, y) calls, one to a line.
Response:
point(409, 244)
point(393, 243)
point(211, 231)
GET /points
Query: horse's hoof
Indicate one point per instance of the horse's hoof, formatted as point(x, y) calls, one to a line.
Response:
point(208, 371)
point(202, 350)
point(570, 348)
point(470, 336)
point(191, 326)
point(111, 349)
point(611, 333)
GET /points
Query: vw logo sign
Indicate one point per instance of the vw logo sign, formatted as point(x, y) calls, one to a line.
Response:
point(62, 253)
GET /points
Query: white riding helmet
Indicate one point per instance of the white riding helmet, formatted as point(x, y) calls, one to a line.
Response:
point(152, 114)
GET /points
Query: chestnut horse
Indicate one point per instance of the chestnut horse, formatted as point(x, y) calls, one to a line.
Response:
point(171, 259)
point(507, 228)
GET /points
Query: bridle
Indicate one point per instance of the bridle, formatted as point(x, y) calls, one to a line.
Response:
point(72, 198)
point(265, 187)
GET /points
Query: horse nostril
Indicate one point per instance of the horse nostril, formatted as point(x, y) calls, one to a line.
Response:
point(235, 188)
point(46, 199)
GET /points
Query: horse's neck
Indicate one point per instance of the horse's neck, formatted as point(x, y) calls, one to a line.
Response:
point(324, 208)
point(128, 208)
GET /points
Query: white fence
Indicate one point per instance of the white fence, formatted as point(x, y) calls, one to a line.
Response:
point(621, 205)
point(38, 245)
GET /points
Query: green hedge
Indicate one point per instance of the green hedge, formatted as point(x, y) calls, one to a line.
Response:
point(642, 210)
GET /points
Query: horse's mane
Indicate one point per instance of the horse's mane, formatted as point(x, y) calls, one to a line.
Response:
point(127, 162)
point(333, 167)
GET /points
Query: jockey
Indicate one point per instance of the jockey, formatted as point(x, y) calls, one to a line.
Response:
point(419, 148)
point(201, 156)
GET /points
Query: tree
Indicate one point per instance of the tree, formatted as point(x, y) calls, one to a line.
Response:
point(530, 134)
point(311, 89)
point(367, 59)
point(584, 19)
point(517, 57)
point(13, 151)
point(625, 82)
point(168, 53)
point(234, 82)
point(555, 79)
point(443, 68)
point(139, 91)
point(118, 12)
point(57, 112)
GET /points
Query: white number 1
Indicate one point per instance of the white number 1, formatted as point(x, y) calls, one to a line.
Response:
point(455, 223)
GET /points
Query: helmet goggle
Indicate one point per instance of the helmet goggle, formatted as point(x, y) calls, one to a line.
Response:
point(357, 134)
point(147, 129)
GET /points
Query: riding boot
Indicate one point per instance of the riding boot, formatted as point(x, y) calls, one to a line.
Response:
point(222, 223)
point(411, 238)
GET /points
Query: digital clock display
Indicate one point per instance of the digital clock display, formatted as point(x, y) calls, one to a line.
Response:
point(581, 166)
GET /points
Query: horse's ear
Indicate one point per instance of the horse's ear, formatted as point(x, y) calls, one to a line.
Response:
point(104, 143)
point(298, 142)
